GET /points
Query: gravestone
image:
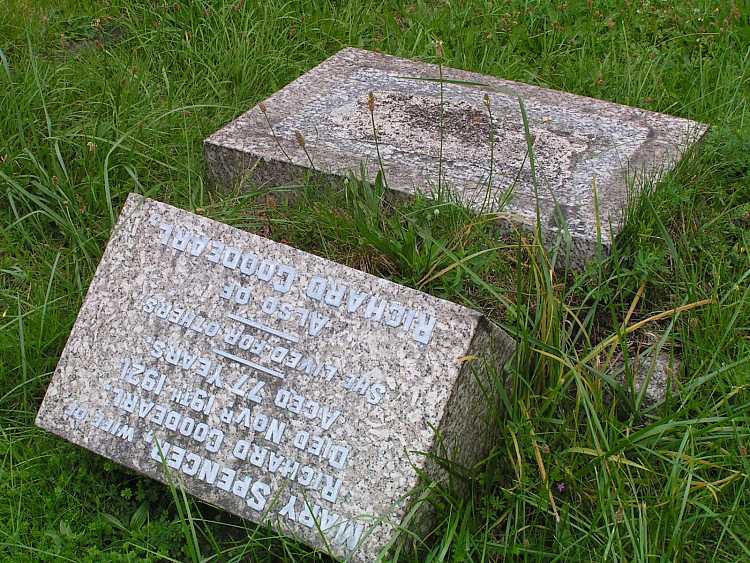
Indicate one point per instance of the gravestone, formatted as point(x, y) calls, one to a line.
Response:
point(587, 151)
point(280, 386)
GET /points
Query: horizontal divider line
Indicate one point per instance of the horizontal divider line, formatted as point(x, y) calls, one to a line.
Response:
point(255, 324)
point(249, 364)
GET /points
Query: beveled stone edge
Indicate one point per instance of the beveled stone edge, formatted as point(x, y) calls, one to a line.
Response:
point(135, 199)
point(269, 170)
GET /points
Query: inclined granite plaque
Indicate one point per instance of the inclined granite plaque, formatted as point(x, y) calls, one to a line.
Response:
point(285, 388)
point(587, 151)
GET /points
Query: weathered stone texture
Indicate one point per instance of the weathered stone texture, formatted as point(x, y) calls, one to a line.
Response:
point(651, 366)
point(581, 145)
point(269, 377)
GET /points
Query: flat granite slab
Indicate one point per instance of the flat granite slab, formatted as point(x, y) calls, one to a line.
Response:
point(280, 386)
point(579, 142)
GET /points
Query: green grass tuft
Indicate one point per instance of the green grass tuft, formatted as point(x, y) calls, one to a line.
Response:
point(100, 99)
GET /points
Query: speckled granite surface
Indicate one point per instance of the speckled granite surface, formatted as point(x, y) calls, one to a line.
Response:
point(283, 387)
point(579, 142)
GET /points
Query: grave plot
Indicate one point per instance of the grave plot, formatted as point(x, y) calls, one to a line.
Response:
point(280, 386)
point(465, 133)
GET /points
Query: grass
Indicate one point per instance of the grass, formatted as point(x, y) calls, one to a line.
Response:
point(100, 99)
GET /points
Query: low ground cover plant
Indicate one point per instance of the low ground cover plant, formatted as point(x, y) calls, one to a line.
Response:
point(98, 99)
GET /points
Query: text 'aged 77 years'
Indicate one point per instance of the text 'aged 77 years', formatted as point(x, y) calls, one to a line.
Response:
point(280, 386)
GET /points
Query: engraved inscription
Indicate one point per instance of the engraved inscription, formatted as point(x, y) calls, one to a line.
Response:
point(281, 277)
point(236, 427)
point(260, 380)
